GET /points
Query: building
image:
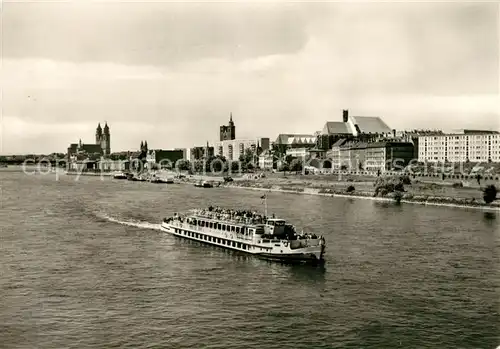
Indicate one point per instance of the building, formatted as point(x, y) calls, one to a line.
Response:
point(228, 132)
point(102, 147)
point(462, 146)
point(199, 153)
point(362, 128)
point(267, 161)
point(233, 149)
point(296, 145)
point(108, 165)
point(374, 156)
point(334, 154)
point(164, 158)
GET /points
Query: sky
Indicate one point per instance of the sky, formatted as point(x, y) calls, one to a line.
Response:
point(170, 73)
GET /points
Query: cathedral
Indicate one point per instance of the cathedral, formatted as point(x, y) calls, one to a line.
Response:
point(102, 146)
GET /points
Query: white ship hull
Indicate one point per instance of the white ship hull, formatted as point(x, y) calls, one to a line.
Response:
point(279, 250)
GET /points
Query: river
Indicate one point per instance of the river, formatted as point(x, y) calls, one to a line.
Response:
point(83, 264)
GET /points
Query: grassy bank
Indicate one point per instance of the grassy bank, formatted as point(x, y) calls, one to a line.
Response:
point(416, 192)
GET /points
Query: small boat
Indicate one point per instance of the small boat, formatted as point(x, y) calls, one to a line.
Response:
point(120, 175)
point(132, 177)
point(161, 180)
point(255, 234)
point(203, 184)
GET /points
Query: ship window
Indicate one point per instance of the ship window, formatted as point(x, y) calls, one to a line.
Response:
point(234, 244)
point(238, 229)
point(239, 245)
point(218, 226)
point(202, 223)
point(233, 228)
point(211, 224)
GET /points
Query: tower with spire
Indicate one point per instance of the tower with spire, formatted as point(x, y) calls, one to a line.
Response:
point(228, 132)
point(98, 134)
point(103, 139)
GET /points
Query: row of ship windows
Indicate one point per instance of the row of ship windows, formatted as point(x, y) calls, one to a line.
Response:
point(222, 227)
point(212, 239)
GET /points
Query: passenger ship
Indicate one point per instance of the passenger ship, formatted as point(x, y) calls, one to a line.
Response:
point(269, 238)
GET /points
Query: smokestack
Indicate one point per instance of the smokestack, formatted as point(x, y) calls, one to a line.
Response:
point(394, 133)
point(345, 115)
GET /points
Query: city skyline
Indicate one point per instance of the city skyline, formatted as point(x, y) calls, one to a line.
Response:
point(171, 73)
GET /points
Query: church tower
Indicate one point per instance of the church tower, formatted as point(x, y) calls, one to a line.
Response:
point(106, 141)
point(98, 134)
point(228, 132)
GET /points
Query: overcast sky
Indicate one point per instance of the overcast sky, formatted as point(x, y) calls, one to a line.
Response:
point(171, 73)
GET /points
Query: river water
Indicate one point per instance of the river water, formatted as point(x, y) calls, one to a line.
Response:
point(83, 264)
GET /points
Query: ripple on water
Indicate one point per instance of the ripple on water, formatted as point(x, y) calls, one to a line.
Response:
point(84, 265)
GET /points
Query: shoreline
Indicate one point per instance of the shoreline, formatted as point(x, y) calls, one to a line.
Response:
point(423, 199)
point(317, 192)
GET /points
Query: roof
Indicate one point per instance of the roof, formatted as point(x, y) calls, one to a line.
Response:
point(163, 151)
point(72, 147)
point(339, 142)
point(91, 148)
point(355, 145)
point(336, 127)
point(371, 124)
point(363, 145)
point(295, 139)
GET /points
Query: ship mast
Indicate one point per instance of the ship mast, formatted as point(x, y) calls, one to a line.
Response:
point(264, 197)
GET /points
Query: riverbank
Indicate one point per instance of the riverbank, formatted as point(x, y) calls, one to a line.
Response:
point(414, 194)
point(95, 174)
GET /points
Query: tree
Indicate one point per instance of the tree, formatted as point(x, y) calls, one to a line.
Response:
point(198, 165)
point(489, 193)
point(296, 165)
point(183, 165)
point(248, 159)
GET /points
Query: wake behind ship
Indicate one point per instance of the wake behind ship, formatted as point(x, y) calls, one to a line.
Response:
point(269, 238)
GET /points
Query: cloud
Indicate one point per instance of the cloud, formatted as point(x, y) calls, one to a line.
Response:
point(278, 69)
point(139, 33)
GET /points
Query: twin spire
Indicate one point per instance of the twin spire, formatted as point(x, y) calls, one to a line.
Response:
point(99, 129)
